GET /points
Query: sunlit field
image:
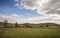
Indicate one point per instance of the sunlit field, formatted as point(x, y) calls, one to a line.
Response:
point(44, 30)
point(29, 33)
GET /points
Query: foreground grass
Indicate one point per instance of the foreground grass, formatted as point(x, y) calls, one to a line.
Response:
point(29, 33)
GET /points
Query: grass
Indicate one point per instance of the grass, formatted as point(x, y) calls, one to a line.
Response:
point(29, 33)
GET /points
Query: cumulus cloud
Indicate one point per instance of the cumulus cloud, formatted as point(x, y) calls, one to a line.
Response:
point(11, 18)
point(15, 15)
point(16, 0)
point(42, 6)
point(53, 18)
point(48, 18)
point(53, 7)
point(50, 8)
point(32, 4)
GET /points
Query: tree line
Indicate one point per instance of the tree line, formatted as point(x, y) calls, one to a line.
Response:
point(16, 25)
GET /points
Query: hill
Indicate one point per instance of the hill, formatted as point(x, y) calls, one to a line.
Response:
point(29, 25)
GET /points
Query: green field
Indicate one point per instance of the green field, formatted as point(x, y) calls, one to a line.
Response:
point(29, 33)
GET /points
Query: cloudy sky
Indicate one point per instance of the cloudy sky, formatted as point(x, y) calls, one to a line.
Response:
point(30, 11)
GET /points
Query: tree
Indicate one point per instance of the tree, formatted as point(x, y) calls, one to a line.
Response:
point(16, 25)
point(5, 23)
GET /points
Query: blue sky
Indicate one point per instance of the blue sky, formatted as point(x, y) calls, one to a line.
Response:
point(31, 11)
point(8, 7)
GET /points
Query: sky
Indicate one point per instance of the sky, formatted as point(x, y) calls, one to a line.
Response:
point(30, 11)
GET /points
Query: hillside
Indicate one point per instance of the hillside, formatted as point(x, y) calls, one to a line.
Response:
point(28, 25)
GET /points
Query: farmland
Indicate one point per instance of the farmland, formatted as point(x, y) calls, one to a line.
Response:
point(30, 31)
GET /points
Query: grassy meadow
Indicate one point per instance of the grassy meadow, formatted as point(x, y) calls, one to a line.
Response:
point(45, 30)
point(29, 33)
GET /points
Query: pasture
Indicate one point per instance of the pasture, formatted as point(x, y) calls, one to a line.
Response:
point(29, 33)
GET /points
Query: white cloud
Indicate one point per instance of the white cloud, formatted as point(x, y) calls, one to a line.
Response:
point(50, 8)
point(48, 18)
point(15, 15)
point(33, 4)
point(16, 0)
point(11, 18)
point(42, 6)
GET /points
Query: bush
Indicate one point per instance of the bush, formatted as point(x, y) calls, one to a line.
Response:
point(41, 26)
point(47, 25)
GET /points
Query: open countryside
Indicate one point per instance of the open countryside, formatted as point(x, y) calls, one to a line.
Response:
point(43, 30)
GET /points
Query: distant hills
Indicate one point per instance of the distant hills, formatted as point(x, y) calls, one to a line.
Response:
point(29, 25)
